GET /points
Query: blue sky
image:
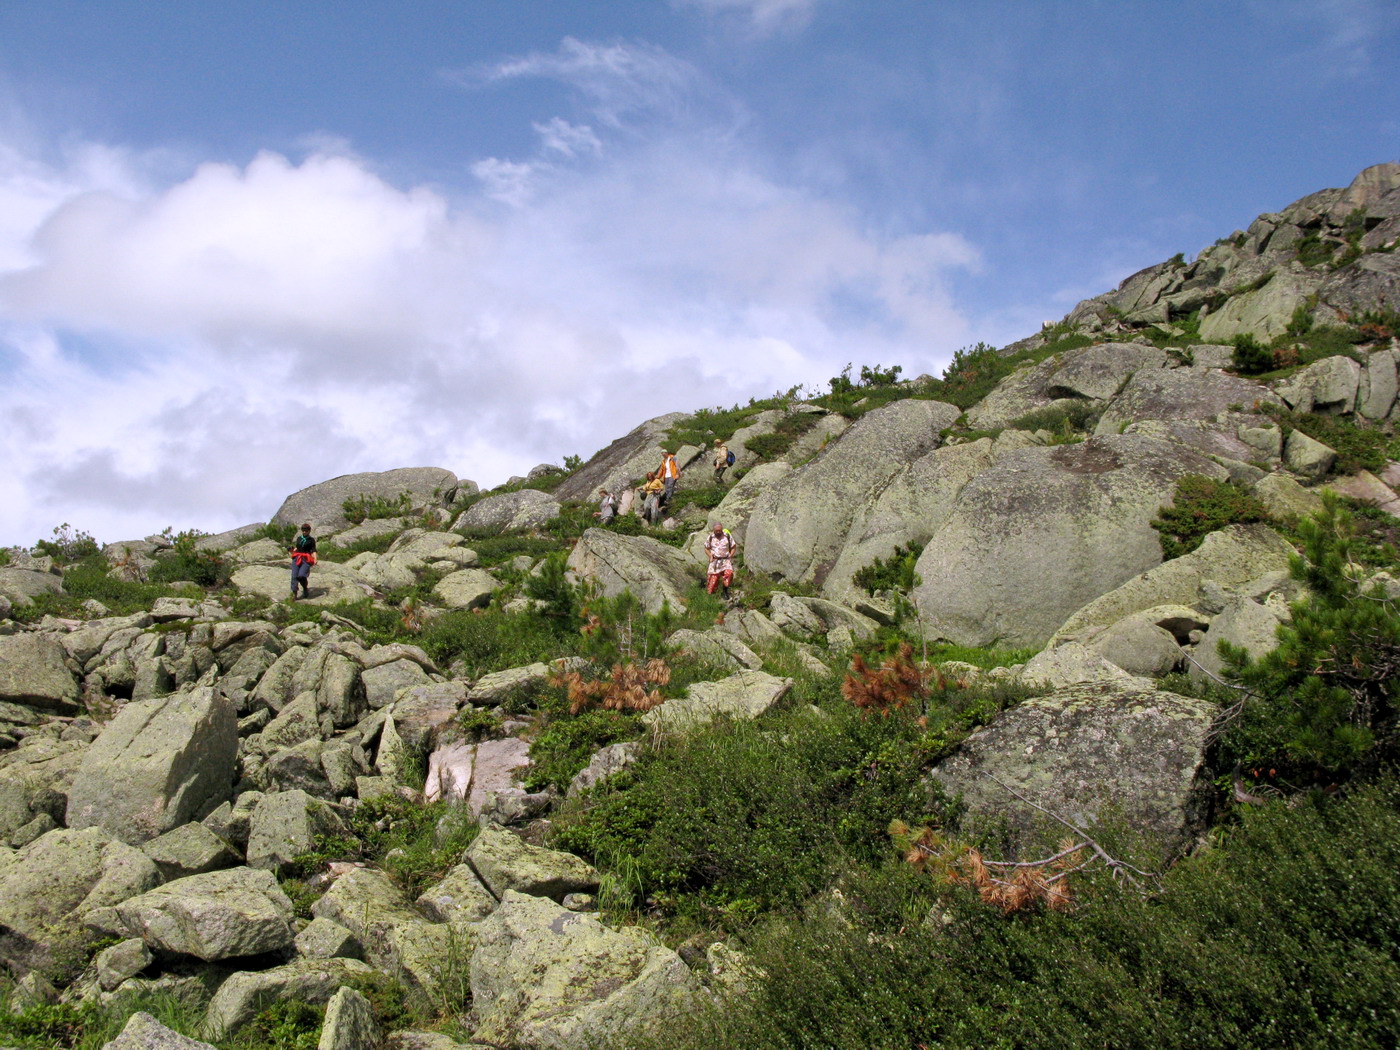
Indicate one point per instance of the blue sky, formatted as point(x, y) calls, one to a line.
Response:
point(247, 246)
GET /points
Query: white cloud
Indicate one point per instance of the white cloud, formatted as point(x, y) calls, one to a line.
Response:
point(186, 352)
point(763, 16)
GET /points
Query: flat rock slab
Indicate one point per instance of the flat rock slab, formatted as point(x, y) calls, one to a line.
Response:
point(1088, 753)
point(744, 695)
point(217, 915)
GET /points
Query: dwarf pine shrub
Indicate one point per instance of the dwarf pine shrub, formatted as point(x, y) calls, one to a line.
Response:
point(1201, 506)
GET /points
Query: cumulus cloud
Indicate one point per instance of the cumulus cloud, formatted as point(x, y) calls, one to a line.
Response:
point(188, 351)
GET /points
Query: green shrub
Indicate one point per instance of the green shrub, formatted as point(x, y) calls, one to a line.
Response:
point(785, 434)
point(67, 545)
point(564, 746)
point(1314, 251)
point(1284, 933)
point(894, 573)
point(1323, 704)
point(1201, 506)
point(361, 508)
point(1065, 421)
point(185, 561)
point(1251, 357)
point(370, 544)
point(291, 1024)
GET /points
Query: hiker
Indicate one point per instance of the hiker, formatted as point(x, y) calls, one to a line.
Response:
point(607, 507)
point(651, 498)
point(720, 546)
point(724, 459)
point(303, 552)
point(668, 472)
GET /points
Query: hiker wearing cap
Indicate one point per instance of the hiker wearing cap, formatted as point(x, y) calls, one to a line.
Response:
point(724, 459)
point(720, 547)
point(303, 553)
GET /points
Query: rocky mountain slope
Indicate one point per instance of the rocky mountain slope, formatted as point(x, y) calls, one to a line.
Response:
point(355, 804)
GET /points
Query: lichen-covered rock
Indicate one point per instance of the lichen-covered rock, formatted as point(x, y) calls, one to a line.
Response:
point(1306, 457)
point(605, 763)
point(285, 825)
point(459, 896)
point(1074, 664)
point(1043, 532)
point(746, 694)
point(190, 849)
point(349, 1023)
point(34, 672)
point(1088, 753)
point(158, 764)
point(217, 915)
point(323, 504)
point(1243, 623)
point(1172, 394)
point(1139, 646)
point(545, 977)
point(144, 1032)
point(509, 512)
point(241, 997)
point(506, 862)
point(657, 574)
point(715, 647)
point(622, 462)
point(362, 900)
point(1327, 386)
point(326, 939)
point(1230, 557)
point(330, 583)
point(466, 588)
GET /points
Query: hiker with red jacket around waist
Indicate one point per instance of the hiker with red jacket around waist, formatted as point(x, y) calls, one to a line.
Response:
point(668, 472)
point(303, 557)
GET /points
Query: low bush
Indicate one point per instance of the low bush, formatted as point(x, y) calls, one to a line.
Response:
point(361, 508)
point(895, 572)
point(1358, 447)
point(1201, 506)
point(1251, 357)
point(1065, 422)
point(563, 747)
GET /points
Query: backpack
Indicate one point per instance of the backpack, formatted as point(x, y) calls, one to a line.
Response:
point(729, 458)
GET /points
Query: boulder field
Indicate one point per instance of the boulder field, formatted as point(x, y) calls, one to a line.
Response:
point(172, 776)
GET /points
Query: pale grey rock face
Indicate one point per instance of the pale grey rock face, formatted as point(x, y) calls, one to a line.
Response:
point(622, 462)
point(284, 825)
point(22, 586)
point(1285, 498)
point(506, 862)
point(349, 1023)
point(715, 647)
point(326, 939)
point(190, 849)
point(1140, 647)
point(364, 900)
point(1306, 457)
point(330, 582)
point(1230, 557)
point(34, 672)
point(1089, 753)
point(466, 589)
point(546, 977)
point(1376, 393)
point(323, 504)
point(910, 509)
point(1074, 664)
point(1175, 394)
point(1244, 623)
point(1043, 532)
point(121, 962)
point(510, 512)
point(217, 915)
point(1263, 313)
point(746, 694)
point(1095, 373)
point(241, 997)
point(1328, 386)
point(472, 773)
point(144, 1032)
point(459, 896)
point(383, 683)
point(158, 764)
point(798, 528)
point(654, 572)
point(737, 506)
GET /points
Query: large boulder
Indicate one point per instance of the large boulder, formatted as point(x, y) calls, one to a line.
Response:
point(1095, 373)
point(157, 765)
point(217, 915)
point(509, 512)
point(1243, 623)
point(1044, 531)
point(286, 824)
point(324, 504)
point(1230, 557)
point(544, 977)
point(656, 573)
point(1086, 754)
point(1264, 312)
point(411, 553)
point(22, 586)
point(466, 588)
point(798, 528)
point(472, 773)
point(34, 672)
point(1328, 386)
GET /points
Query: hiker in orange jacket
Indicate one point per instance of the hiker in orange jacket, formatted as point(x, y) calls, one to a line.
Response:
point(668, 472)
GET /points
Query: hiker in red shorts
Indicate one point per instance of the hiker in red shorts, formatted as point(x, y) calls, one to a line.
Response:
point(720, 546)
